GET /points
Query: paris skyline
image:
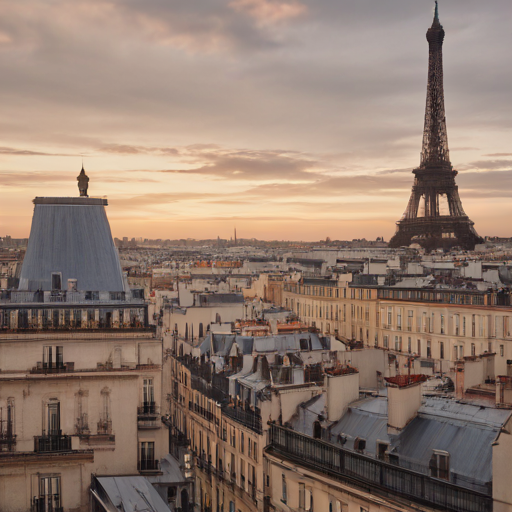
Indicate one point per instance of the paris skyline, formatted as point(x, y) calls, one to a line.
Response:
point(288, 119)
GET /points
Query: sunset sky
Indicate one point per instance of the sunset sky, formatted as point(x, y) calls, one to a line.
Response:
point(287, 119)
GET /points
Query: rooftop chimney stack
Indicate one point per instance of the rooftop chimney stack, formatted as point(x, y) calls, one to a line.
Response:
point(404, 400)
point(342, 387)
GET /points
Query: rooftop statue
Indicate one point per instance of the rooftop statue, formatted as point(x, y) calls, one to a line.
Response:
point(83, 183)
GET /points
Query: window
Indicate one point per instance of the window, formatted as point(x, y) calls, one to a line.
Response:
point(440, 465)
point(242, 442)
point(233, 437)
point(48, 497)
point(7, 434)
point(429, 349)
point(52, 357)
point(147, 456)
point(457, 325)
point(252, 480)
point(399, 319)
point(473, 349)
point(81, 416)
point(409, 345)
point(148, 394)
point(419, 348)
point(233, 467)
point(249, 447)
point(410, 314)
point(283, 489)
point(463, 326)
point(502, 350)
point(302, 496)
point(382, 448)
point(255, 451)
point(442, 324)
point(242, 474)
point(105, 423)
point(359, 444)
point(386, 341)
point(53, 418)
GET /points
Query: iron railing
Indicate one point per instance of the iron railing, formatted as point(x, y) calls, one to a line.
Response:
point(148, 465)
point(359, 469)
point(247, 417)
point(148, 409)
point(48, 503)
point(52, 443)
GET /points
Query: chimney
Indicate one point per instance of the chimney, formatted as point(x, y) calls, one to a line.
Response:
point(404, 400)
point(459, 379)
point(72, 285)
point(342, 385)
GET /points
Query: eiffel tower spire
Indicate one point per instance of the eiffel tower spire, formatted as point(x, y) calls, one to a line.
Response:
point(424, 221)
point(435, 139)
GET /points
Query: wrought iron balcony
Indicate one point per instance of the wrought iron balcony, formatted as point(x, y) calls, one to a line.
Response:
point(148, 409)
point(48, 503)
point(251, 419)
point(376, 475)
point(7, 440)
point(52, 443)
point(105, 426)
point(148, 465)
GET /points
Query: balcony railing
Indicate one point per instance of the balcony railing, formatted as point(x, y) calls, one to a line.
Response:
point(48, 503)
point(105, 427)
point(208, 415)
point(148, 409)
point(52, 443)
point(359, 469)
point(7, 438)
point(148, 465)
point(251, 419)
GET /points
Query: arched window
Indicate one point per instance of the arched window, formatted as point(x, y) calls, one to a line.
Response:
point(284, 488)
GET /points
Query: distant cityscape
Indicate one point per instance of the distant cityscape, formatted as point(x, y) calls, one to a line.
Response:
point(245, 375)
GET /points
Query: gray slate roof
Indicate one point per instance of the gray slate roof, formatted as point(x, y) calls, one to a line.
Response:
point(71, 236)
point(463, 430)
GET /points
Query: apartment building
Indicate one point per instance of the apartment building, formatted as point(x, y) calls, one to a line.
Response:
point(224, 391)
point(80, 369)
point(436, 326)
point(398, 451)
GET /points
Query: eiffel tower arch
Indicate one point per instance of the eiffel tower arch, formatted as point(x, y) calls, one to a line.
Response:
point(434, 217)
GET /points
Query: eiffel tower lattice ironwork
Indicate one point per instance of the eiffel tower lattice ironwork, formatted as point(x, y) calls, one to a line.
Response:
point(434, 217)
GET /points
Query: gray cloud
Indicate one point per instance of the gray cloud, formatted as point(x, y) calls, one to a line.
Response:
point(27, 152)
point(339, 84)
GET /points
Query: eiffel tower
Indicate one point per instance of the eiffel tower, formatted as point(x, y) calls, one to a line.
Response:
point(434, 217)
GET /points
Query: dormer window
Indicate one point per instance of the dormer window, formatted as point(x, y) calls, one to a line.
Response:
point(359, 444)
point(382, 450)
point(440, 464)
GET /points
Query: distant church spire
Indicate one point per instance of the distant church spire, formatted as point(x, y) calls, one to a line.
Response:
point(235, 236)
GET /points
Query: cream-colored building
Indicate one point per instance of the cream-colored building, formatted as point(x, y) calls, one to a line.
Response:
point(437, 327)
point(72, 406)
point(80, 369)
